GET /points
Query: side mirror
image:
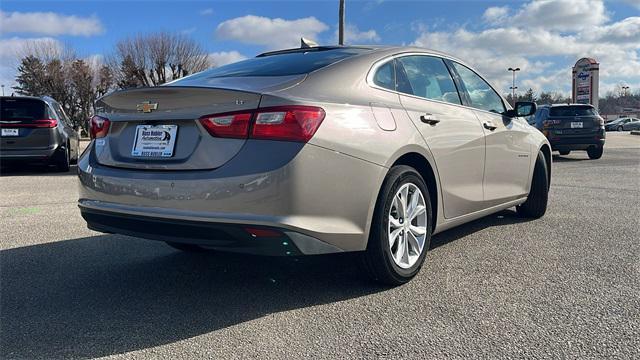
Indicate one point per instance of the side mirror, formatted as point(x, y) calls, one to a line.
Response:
point(522, 109)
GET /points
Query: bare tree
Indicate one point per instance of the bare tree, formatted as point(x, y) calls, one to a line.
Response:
point(154, 59)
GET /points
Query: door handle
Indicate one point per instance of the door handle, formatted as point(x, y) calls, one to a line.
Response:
point(428, 119)
point(489, 126)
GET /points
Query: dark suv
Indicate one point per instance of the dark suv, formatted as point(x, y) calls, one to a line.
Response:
point(571, 127)
point(34, 129)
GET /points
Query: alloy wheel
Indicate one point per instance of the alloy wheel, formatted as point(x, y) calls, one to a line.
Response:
point(407, 228)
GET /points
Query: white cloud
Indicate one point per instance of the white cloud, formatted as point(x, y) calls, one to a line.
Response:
point(49, 23)
point(545, 52)
point(495, 14)
point(225, 57)
point(353, 35)
point(205, 12)
point(563, 15)
point(271, 33)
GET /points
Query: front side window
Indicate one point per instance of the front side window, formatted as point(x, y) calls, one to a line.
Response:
point(426, 77)
point(481, 95)
point(385, 76)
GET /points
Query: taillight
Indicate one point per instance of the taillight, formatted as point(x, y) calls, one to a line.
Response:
point(44, 123)
point(288, 123)
point(99, 127)
point(550, 122)
point(227, 125)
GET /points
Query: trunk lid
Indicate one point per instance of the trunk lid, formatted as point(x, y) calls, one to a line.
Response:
point(21, 124)
point(573, 120)
point(151, 115)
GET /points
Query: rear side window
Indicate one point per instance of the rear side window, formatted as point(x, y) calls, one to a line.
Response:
point(294, 63)
point(574, 110)
point(427, 77)
point(385, 76)
point(23, 110)
point(481, 95)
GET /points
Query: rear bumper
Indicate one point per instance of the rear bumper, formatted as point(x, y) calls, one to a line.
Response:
point(30, 155)
point(322, 200)
point(575, 143)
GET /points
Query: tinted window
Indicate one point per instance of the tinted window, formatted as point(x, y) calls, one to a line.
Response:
point(295, 63)
point(385, 76)
point(573, 110)
point(427, 77)
point(25, 110)
point(481, 95)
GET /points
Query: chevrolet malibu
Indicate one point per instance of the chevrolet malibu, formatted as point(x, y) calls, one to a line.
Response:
point(313, 151)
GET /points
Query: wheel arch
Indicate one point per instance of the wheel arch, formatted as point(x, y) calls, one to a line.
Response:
point(546, 151)
point(423, 166)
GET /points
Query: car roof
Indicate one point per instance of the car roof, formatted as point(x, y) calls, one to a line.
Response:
point(43, 98)
point(561, 105)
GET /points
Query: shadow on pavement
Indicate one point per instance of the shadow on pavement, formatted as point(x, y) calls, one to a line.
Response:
point(34, 170)
point(112, 294)
point(109, 294)
point(504, 217)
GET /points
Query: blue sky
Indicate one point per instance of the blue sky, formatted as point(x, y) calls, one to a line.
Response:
point(543, 37)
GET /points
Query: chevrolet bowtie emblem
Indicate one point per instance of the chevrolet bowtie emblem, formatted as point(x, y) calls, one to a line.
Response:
point(147, 107)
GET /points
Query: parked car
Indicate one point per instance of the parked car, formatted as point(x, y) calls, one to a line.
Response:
point(36, 129)
point(572, 127)
point(313, 151)
point(623, 124)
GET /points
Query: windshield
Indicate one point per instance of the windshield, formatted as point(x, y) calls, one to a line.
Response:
point(294, 63)
point(23, 110)
point(572, 111)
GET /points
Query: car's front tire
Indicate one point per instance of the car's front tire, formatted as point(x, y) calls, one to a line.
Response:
point(401, 228)
point(595, 152)
point(620, 128)
point(536, 204)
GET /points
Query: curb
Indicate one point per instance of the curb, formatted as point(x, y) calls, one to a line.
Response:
point(635, 132)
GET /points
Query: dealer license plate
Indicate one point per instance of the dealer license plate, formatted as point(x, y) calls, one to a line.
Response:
point(154, 140)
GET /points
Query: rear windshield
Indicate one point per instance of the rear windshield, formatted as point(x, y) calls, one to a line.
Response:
point(295, 63)
point(25, 110)
point(572, 111)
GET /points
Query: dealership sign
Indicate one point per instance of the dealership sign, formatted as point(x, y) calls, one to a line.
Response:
point(585, 82)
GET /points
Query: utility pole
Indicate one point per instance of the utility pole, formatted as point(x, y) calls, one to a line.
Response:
point(625, 88)
point(513, 85)
point(2, 89)
point(341, 24)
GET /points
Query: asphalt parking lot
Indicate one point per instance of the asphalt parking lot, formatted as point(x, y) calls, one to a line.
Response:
point(567, 285)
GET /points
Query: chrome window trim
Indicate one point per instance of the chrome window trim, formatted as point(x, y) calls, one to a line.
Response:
point(380, 62)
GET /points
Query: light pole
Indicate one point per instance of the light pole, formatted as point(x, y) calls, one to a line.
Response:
point(513, 84)
point(341, 24)
point(2, 89)
point(625, 89)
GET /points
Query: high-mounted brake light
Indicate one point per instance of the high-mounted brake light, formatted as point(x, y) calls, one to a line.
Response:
point(288, 123)
point(99, 127)
point(44, 123)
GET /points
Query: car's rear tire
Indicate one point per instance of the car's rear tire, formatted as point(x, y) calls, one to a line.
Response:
point(620, 128)
point(563, 153)
point(595, 152)
point(186, 247)
point(536, 204)
point(63, 164)
point(404, 195)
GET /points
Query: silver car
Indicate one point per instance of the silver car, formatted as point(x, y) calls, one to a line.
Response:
point(313, 151)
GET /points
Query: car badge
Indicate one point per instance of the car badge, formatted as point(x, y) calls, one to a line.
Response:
point(147, 107)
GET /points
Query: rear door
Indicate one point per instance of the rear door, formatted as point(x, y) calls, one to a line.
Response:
point(507, 161)
point(451, 131)
point(24, 124)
